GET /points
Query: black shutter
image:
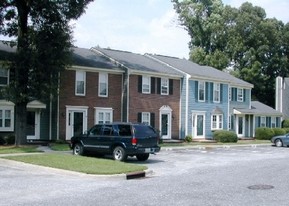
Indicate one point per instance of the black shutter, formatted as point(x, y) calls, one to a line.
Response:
point(211, 95)
point(140, 84)
point(234, 91)
point(207, 91)
point(259, 121)
point(244, 95)
point(158, 85)
point(152, 119)
point(171, 86)
point(153, 85)
point(139, 117)
point(221, 92)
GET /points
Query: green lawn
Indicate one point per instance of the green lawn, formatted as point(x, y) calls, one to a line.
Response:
point(88, 165)
point(22, 149)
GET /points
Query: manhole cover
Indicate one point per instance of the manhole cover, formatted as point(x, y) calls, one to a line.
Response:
point(261, 187)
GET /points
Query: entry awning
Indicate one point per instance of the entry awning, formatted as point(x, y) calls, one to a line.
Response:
point(35, 104)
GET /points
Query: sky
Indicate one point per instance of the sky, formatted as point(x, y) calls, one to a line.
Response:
point(147, 26)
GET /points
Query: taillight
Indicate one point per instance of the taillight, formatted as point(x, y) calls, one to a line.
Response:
point(133, 141)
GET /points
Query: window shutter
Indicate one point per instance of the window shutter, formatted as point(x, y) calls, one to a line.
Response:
point(153, 85)
point(152, 119)
point(211, 96)
point(268, 121)
point(234, 91)
point(158, 85)
point(221, 92)
point(140, 84)
point(139, 117)
point(171, 86)
point(259, 121)
point(244, 95)
point(207, 91)
point(196, 91)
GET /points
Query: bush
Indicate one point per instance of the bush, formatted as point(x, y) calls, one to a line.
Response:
point(264, 133)
point(188, 138)
point(225, 136)
point(285, 123)
point(286, 130)
point(278, 131)
point(2, 141)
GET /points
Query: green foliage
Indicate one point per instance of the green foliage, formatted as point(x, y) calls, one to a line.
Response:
point(278, 131)
point(254, 47)
point(285, 123)
point(225, 136)
point(7, 139)
point(188, 138)
point(264, 133)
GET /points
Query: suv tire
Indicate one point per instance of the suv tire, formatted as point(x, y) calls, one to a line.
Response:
point(119, 154)
point(142, 157)
point(78, 149)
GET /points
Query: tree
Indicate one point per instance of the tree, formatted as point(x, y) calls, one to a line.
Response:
point(254, 47)
point(43, 43)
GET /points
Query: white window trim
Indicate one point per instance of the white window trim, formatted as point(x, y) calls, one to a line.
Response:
point(103, 78)
point(217, 89)
point(143, 114)
point(263, 122)
point(11, 109)
point(218, 122)
point(199, 83)
point(84, 82)
point(105, 110)
point(149, 84)
point(240, 96)
point(163, 80)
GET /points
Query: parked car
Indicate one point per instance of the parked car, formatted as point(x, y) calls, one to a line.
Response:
point(119, 139)
point(281, 140)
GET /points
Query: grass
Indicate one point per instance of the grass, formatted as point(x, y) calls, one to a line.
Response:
point(88, 165)
point(14, 149)
point(59, 147)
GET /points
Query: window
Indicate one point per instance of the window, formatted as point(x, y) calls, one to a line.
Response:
point(80, 83)
point(4, 76)
point(240, 95)
point(145, 118)
point(263, 122)
point(217, 121)
point(6, 119)
point(164, 86)
point(146, 84)
point(96, 130)
point(103, 85)
point(216, 92)
point(103, 115)
point(201, 91)
point(273, 122)
point(107, 130)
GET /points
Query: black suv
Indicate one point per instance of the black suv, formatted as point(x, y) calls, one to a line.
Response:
point(119, 139)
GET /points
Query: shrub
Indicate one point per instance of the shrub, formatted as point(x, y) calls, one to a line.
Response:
point(279, 131)
point(225, 136)
point(264, 133)
point(286, 130)
point(285, 123)
point(2, 141)
point(10, 139)
point(188, 138)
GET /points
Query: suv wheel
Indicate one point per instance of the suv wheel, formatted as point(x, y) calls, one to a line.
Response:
point(142, 157)
point(78, 149)
point(119, 154)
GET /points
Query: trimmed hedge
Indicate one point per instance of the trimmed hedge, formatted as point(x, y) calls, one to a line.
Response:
point(279, 131)
point(225, 136)
point(264, 133)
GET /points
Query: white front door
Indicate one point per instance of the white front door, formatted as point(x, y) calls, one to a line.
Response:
point(33, 125)
point(240, 126)
point(76, 122)
point(166, 122)
point(198, 128)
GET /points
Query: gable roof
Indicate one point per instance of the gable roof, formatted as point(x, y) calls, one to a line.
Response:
point(202, 72)
point(87, 58)
point(137, 62)
point(258, 108)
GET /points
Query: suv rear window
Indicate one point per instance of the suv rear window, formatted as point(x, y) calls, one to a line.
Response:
point(144, 131)
point(124, 130)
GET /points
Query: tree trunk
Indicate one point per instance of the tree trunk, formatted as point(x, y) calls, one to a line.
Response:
point(20, 124)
